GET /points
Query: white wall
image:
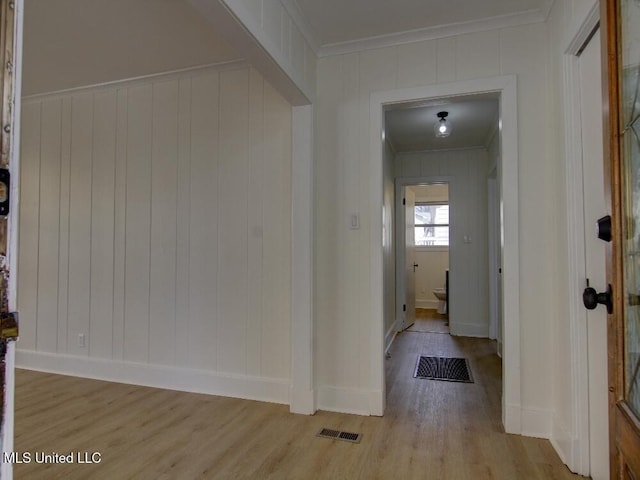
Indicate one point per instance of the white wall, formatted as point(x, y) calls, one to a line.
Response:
point(468, 268)
point(156, 222)
point(343, 289)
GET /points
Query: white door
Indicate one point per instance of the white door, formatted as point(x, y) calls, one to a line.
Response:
point(409, 317)
point(594, 208)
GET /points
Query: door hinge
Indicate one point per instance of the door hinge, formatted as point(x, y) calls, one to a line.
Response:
point(404, 201)
point(404, 307)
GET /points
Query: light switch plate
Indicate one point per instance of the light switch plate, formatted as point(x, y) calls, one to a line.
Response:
point(354, 221)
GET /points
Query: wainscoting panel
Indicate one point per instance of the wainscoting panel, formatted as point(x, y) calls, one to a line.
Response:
point(156, 225)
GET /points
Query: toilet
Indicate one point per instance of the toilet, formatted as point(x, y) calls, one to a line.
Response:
point(441, 295)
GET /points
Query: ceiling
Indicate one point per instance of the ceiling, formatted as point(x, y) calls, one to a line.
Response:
point(116, 39)
point(338, 21)
point(130, 38)
point(409, 127)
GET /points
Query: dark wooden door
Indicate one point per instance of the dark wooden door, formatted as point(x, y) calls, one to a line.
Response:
point(621, 41)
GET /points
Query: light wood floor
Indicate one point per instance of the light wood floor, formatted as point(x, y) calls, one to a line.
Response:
point(429, 321)
point(431, 429)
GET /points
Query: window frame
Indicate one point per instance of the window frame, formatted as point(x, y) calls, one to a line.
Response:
point(427, 225)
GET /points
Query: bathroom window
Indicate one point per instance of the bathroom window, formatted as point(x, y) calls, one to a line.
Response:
point(432, 224)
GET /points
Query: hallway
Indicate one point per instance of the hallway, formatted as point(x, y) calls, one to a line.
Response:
point(431, 429)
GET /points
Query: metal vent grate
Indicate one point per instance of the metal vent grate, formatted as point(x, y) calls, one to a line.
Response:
point(443, 368)
point(338, 435)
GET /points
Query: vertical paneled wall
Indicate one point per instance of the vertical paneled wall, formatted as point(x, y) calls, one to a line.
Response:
point(346, 361)
point(155, 224)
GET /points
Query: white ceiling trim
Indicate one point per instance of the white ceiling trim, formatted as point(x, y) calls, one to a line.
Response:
point(307, 31)
point(142, 79)
point(440, 31)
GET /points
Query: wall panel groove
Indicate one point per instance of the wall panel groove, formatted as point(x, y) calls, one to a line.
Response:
point(156, 226)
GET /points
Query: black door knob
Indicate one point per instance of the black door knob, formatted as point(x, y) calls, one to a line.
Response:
point(591, 298)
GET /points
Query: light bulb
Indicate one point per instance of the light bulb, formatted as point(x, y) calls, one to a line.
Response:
point(442, 128)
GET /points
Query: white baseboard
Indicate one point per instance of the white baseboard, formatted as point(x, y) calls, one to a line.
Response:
point(348, 400)
point(390, 335)
point(564, 444)
point(429, 304)
point(469, 330)
point(511, 418)
point(302, 401)
point(529, 422)
point(536, 422)
point(273, 390)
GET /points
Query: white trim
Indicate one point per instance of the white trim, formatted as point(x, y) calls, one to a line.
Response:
point(427, 303)
point(430, 33)
point(507, 87)
point(356, 401)
point(390, 336)
point(302, 345)
point(536, 422)
point(129, 82)
point(585, 31)
point(579, 373)
point(493, 205)
point(562, 440)
point(578, 455)
point(468, 330)
point(6, 469)
point(432, 248)
point(275, 390)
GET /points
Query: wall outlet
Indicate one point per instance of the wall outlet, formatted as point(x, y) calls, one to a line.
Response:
point(81, 342)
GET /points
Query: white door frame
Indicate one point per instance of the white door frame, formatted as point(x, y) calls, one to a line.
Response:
point(493, 206)
point(401, 182)
point(577, 447)
point(506, 86)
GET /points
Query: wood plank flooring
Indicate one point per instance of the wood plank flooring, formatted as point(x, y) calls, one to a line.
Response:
point(429, 321)
point(431, 429)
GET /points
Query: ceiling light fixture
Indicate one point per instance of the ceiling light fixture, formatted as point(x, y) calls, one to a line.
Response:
point(442, 127)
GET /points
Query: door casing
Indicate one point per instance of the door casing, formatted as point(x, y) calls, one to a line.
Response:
point(506, 87)
point(576, 450)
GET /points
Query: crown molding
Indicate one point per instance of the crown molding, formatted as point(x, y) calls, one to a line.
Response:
point(440, 31)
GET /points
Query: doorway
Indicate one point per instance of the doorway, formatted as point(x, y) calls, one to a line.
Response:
point(505, 89)
point(423, 254)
